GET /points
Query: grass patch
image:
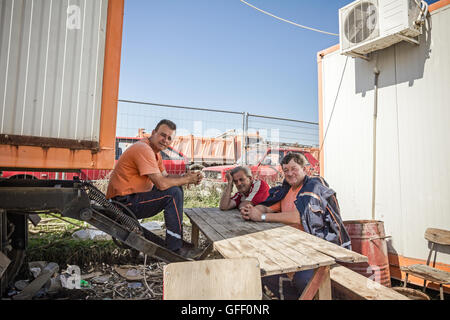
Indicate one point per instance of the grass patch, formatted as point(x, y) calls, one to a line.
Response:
point(63, 249)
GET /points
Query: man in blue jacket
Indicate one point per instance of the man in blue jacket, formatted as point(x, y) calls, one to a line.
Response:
point(306, 203)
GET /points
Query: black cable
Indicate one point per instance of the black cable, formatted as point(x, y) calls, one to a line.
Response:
point(334, 105)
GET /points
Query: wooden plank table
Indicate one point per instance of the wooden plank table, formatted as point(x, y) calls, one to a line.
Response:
point(278, 248)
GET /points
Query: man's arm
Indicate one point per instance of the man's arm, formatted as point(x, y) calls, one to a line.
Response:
point(226, 203)
point(164, 182)
point(287, 217)
point(165, 174)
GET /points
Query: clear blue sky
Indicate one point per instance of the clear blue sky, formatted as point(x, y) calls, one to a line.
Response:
point(223, 54)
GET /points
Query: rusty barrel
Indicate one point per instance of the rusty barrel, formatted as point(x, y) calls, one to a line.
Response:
point(368, 238)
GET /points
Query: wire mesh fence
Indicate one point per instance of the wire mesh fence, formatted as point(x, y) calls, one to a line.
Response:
point(217, 139)
point(209, 139)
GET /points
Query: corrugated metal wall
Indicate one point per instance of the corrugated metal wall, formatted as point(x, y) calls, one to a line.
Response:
point(51, 67)
point(412, 157)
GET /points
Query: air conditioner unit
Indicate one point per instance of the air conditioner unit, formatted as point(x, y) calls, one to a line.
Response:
point(369, 25)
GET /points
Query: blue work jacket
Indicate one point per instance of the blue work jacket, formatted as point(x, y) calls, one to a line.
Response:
point(318, 208)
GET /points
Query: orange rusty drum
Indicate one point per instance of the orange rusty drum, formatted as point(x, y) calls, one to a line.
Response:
point(368, 238)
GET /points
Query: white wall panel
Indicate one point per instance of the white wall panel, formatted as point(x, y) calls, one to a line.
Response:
point(413, 158)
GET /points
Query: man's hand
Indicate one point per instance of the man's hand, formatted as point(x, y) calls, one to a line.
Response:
point(229, 177)
point(250, 212)
point(194, 177)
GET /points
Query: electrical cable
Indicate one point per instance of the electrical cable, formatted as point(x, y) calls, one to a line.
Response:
point(423, 6)
point(293, 23)
point(145, 276)
point(334, 104)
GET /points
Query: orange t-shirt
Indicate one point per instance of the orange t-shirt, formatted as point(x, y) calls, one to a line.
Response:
point(130, 175)
point(287, 204)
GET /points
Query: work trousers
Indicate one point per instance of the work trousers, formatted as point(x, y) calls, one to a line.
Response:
point(148, 204)
point(286, 289)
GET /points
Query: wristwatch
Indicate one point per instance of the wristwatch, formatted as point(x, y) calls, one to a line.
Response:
point(263, 217)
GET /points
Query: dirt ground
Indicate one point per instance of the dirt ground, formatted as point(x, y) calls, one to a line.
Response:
point(110, 281)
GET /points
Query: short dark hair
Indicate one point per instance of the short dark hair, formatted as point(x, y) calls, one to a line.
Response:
point(168, 123)
point(298, 158)
point(246, 170)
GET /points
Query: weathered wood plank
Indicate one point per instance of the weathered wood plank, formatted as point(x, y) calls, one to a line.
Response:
point(276, 254)
point(232, 219)
point(222, 230)
point(305, 257)
point(285, 262)
point(314, 284)
point(195, 233)
point(210, 233)
point(428, 273)
point(4, 263)
point(324, 292)
point(226, 219)
point(320, 245)
point(239, 247)
point(439, 236)
point(352, 285)
point(227, 279)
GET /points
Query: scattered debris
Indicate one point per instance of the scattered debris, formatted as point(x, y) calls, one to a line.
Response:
point(92, 234)
point(134, 285)
point(53, 286)
point(35, 286)
point(100, 279)
point(129, 272)
point(36, 267)
point(153, 225)
point(21, 284)
point(90, 275)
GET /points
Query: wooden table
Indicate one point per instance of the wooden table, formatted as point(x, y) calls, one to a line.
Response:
point(278, 248)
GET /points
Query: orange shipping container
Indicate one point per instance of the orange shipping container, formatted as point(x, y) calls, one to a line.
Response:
point(59, 83)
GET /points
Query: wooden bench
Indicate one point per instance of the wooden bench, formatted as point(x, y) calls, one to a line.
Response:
point(427, 272)
point(349, 285)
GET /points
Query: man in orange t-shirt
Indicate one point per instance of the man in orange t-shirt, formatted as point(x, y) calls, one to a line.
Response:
point(140, 181)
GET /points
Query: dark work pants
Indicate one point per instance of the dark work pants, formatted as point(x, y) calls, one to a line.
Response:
point(286, 289)
point(148, 204)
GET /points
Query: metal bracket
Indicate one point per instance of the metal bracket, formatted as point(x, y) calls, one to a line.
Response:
point(133, 239)
point(358, 55)
point(409, 39)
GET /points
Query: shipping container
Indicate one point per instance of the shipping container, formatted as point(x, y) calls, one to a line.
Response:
point(407, 154)
point(59, 79)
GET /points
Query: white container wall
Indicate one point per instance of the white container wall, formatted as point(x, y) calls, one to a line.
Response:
point(51, 67)
point(413, 128)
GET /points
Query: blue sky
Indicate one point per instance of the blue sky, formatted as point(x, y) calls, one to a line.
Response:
point(222, 54)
